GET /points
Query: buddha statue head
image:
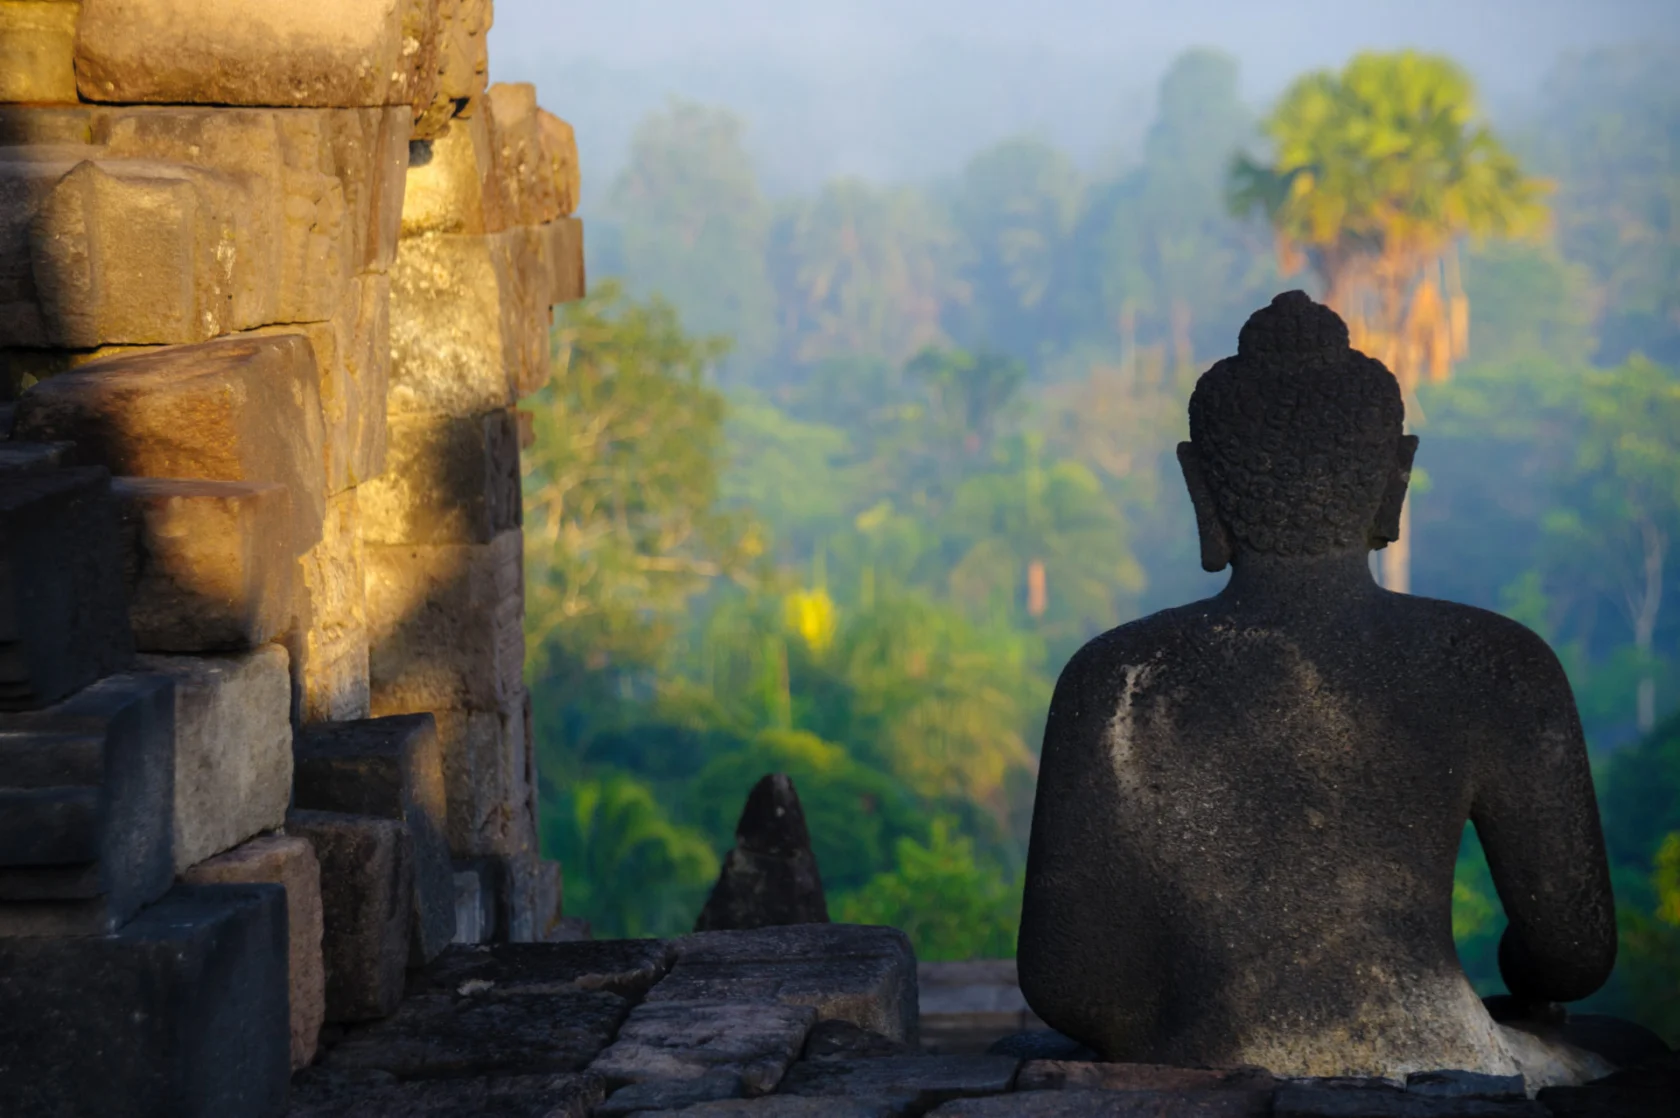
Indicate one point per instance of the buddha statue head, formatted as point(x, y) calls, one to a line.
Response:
point(1296, 446)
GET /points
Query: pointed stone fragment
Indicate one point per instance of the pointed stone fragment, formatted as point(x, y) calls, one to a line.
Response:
point(771, 876)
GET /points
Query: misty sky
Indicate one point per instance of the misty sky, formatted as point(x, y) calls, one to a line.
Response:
point(909, 88)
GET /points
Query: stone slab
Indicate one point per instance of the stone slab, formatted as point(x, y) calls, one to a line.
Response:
point(447, 480)
point(367, 904)
point(524, 164)
point(200, 980)
point(499, 1096)
point(789, 1106)
point(233, 747)
point(208, 564)
point(329, 639)
point(390, 767)
point(130, 251)
point(1607, 1102)
point(115, 739)
point(1310, 1100)
point(437, 1036)
point(670, 1094)
point(865, 975)
point(457, 346)
point(287, 861)
point(451, 182)
point(1466, 1085)
point(559, 143)
point(755, 1042)
point(37, 51)
point(1044, 1075)
point(627, 967)
point(925, 1080)
point(1081, 1103)
point(63, 617)
point(245, 52)
point(238, 409)
point(842, 1040)
point(475, 912)
point(531, 897)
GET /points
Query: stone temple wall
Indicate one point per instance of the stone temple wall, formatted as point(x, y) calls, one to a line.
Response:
point(273, 277)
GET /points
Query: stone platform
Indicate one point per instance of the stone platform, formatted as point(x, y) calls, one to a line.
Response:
point(819, 1020)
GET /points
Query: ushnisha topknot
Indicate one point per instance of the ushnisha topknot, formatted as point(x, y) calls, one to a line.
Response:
point(1297, 432)
point(1292, 325)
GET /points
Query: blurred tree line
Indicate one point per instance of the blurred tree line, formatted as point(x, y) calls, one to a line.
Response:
point(833, 485)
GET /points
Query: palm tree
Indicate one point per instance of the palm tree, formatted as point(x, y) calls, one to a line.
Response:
point(1378, 173)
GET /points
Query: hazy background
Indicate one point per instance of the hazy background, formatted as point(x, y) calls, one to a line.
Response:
point(898, 90)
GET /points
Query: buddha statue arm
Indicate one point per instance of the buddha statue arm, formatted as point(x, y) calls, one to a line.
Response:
point(1537, 818)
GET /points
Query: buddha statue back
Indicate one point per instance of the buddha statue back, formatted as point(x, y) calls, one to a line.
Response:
point(1249, 808)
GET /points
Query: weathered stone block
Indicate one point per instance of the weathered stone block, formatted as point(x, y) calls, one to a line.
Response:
point(559, 144)
point(686, 1040)
point(455, 324)
point(330, 1094)
point(847, 972)
point(330, 641)
point(198, 981)
point(562, 255)
point(208, 564)
point(114, 744)
point(487, 795)
point(369, 368)
point(134, 252)
point(478, 889)
point(45, 124)
point(452, 186)
point(244, 52)
point(393, 768)
point(927, 1080)
point(367, 905)
point(465, 54)
point(37, 51)
point(627, 967)
point(433, 1036)
point(238, 409)
point(1047, 1075)
point(31, 458)
point(233, 747)
point(446, 630)
point(63, 617)
point(1315, 1100)
point(529, 324)
point(447, 480)
point(531, 912)
point(523, 163)
point(661, 1095)
point(1101, 1104)
point(289, 861)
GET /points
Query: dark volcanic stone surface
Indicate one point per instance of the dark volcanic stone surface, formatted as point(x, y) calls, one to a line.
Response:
point(686, 1040)
point(771, 875)
point(390, 767)
point(670, 1094)
point(627, 967)
point(1248, 807)
point(787, 1106)
point(436, 1036)
point(1080, 1103)
point(1303, 1100)
point(375, 1096)
point(113, 744)
point(842, 1040)
point(181, 1013)
point(1041, 1044)
point(64, 617)
point(367, 907)
point(865, 975)
point(1465, 1085)
point(1040, 1075)
point(926, 1080)
point(1607, 1102)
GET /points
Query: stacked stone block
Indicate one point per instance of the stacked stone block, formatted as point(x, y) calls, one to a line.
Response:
point(488, 246)
point(272, 278)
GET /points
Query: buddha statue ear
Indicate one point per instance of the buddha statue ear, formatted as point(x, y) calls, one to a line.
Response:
point(1216, 541)
point(1386, 528)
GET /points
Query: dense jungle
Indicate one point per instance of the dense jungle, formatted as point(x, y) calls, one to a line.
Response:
point(833, 483)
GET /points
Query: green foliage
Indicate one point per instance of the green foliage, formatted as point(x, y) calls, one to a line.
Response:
point(941, 457)
point(1653, 946)
point(951, 905)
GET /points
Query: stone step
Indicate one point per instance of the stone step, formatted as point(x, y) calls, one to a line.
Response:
point(63, 617)
point(392, 768)
point(181, 1013)
point(100, 766)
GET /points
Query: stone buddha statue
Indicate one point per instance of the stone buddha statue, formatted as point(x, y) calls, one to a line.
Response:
point(1249, 808)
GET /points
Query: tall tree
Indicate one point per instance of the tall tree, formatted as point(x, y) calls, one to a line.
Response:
point(1377, 173)
point(692, 226)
